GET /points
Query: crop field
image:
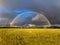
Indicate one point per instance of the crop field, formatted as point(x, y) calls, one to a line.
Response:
point(36, 36)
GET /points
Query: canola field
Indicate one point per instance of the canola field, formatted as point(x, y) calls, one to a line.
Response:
point(32, 36)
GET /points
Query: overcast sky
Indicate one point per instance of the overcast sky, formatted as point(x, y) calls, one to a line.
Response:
point(7, 6)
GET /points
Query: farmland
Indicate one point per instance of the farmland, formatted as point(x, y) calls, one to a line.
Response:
point(19, 36)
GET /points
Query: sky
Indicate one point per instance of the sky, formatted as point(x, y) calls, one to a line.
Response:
point(8, 8)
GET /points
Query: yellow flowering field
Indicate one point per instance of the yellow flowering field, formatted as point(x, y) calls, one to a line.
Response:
point(29, 36)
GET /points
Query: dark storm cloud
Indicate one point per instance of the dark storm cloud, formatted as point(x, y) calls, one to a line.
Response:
point(50, 8)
